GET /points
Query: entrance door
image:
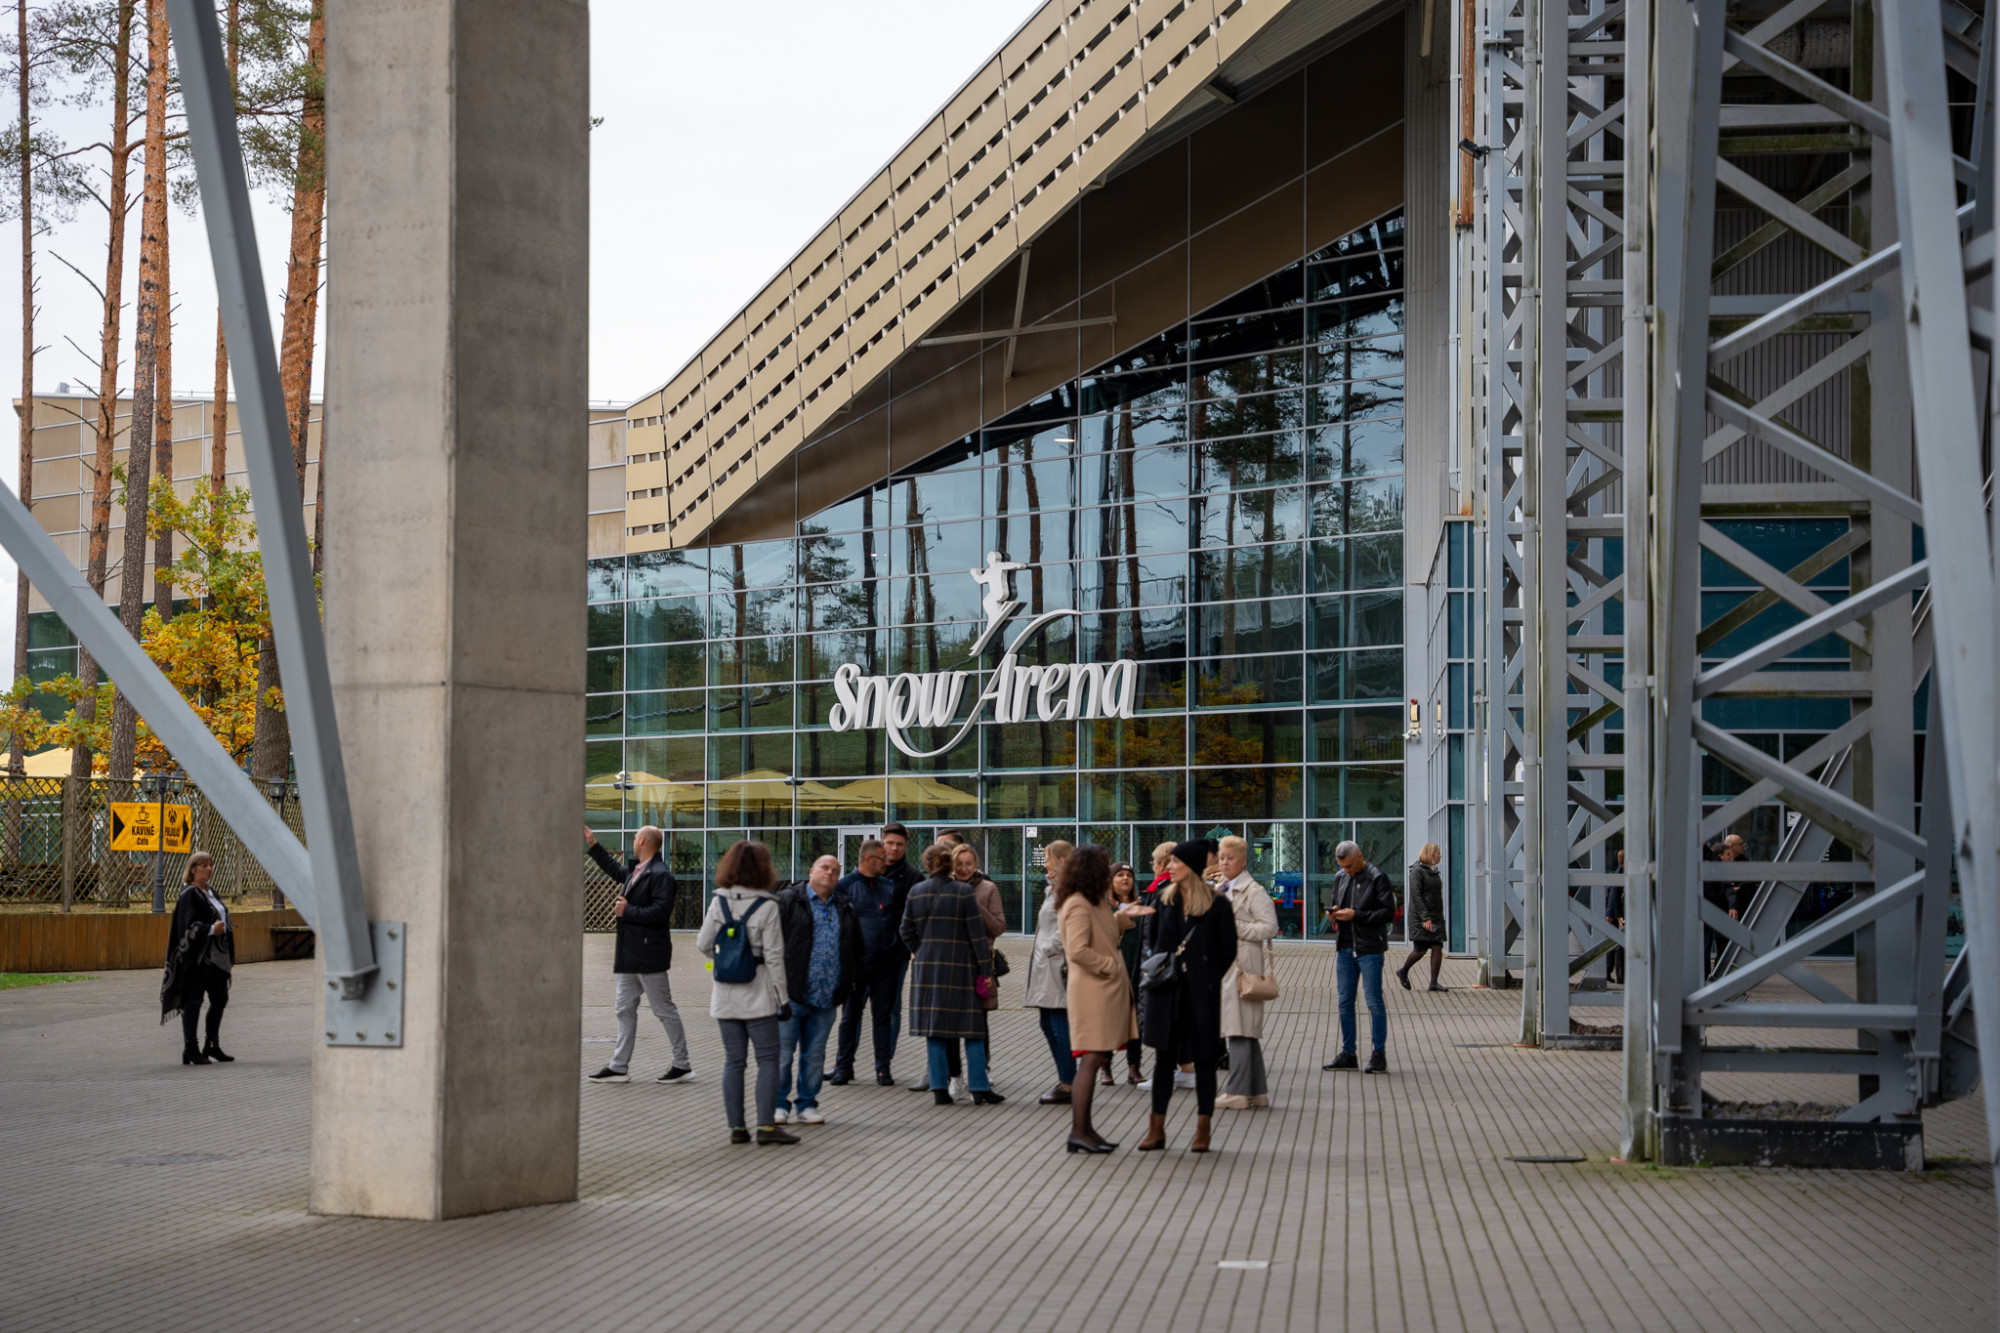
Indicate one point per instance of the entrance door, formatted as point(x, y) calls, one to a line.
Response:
point(1035, 840)
point(850, 843)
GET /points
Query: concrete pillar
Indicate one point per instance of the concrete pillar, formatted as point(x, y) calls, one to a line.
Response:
point(457, 239)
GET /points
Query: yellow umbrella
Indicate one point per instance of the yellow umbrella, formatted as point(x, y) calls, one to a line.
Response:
point(600, 794)
point(49, 764)
point(916, 789)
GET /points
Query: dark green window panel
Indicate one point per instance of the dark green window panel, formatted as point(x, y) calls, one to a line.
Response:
point(665, 620)
point(1249, 793)
point(733, 708)
point(602, 760)
point(668, 666)
point(1146, 795)
point(604, 714)
point(1262, 736)
point(1029, 744)
point(1368, 674)
point(604, 671)
point(835, 756)
point(1163, 686)
point(670, 710)
point(672, 758)
point(1139, 742)
point(667, 574)
point(1030, 797)
point(48, 663)
point(1228, 573)
point(604, 626)
point(1345, 735)
point(1786, 543)
point(759, 752)
point(1356, 620)
point(1224, 629)
point(751, 661)
point(1249, 682)
point(1343, 509)
point(1356, 791)
point(1232, 516)
point(46, 630)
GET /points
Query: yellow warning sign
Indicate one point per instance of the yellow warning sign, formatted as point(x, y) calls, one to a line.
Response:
point(135, 826)
point(175, 827)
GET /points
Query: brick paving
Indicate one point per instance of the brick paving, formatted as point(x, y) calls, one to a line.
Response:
point(139, 1194)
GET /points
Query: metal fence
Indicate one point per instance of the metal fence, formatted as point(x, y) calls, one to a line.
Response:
point(55, 848)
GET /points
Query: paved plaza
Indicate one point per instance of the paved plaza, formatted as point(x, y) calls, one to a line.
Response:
point(143, 1195)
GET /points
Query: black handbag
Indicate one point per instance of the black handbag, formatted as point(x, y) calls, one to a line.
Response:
point(1001, 967)
point(1161, 972)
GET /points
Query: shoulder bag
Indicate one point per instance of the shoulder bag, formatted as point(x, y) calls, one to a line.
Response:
point(1160, 972)
point(1251, 986)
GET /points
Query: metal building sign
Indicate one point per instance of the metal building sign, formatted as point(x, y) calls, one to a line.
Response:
point(1061, 691)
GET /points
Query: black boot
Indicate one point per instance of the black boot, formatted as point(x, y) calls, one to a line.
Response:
point(191, 1056)
point(214, 1052)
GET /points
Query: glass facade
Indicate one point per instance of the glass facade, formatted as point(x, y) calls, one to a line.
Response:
point(1222, 504)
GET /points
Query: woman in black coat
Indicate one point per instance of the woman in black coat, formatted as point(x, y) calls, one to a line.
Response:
point(201, 950)
point(1425, 916)
point(951, 973)
point(1184, 1023)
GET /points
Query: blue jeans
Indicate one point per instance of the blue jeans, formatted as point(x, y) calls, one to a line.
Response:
point(1348, 967)
point(975, 1064)
point(1055, 1027)
point(803, 1036)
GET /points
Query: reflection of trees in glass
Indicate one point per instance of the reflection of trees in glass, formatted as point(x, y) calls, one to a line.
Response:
point(837, 597)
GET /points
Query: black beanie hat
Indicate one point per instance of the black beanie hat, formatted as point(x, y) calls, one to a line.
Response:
point(1194, 853)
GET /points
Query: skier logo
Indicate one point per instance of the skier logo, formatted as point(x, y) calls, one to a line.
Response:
point(999, 604)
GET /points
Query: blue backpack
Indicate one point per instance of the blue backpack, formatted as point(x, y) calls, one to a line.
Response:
point(733, 961)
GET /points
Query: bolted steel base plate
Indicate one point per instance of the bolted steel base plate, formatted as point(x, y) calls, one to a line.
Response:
point(376, 1019)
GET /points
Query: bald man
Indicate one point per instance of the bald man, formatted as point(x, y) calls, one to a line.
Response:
point(645, 949)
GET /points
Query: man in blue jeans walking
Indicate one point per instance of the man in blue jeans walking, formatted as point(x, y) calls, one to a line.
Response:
point(1361, 908)
point(822, 961)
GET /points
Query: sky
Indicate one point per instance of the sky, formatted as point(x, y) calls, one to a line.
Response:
point(730, 134)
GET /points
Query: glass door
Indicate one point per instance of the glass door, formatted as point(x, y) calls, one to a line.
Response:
point(850, 844)
point(1035, 840)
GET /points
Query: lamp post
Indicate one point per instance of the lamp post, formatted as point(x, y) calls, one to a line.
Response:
point(278, 789)
point(159, 781)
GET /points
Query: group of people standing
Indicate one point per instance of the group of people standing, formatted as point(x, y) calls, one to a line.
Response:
point(1182, 965)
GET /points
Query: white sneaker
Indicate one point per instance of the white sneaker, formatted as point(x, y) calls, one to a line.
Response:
point(1144, 1085)
point(957, 1089)
point(810, 1116)
point(1183, 1079)
point(781, 1116)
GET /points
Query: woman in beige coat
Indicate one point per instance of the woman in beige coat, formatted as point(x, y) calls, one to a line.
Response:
point(1243, 1020)
point(1099, 992)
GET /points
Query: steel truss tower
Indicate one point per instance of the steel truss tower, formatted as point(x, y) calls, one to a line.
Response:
point(1688, 261)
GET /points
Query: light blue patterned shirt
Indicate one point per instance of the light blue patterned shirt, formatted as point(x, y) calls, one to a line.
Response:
point(823, 974)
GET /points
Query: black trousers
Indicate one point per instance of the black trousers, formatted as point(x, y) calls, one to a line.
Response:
point(1163, 1073)
point(881, 991)
point(213, 983)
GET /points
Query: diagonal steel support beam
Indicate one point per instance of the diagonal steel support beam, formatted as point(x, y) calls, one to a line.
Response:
point(1833, 808)
point(1783, 644)
point(1809, 941)
point(155, 698)
point(288, 576)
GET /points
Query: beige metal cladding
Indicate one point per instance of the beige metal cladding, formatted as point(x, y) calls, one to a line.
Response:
point(1055, 111)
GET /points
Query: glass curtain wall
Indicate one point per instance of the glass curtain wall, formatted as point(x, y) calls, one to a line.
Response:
point(1223, 504)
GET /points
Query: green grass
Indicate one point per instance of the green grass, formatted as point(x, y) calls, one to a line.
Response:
point(18, 980)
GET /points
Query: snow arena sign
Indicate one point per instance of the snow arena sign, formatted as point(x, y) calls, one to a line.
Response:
point(1063, 691)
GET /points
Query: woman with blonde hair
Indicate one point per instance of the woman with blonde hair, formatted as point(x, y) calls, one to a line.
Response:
point(1196, 931)
point(1242, 1016)
point(201, 952)
point(1425, 916)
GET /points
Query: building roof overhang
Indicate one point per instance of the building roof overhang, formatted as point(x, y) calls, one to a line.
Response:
point(1084, 91)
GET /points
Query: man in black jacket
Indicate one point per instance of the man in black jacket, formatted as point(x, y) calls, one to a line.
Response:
point(645, 949)
point(878, 899)
point(1361, 908)
point(822, 961)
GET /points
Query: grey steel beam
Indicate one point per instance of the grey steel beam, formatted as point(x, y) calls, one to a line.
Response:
point(343, 935)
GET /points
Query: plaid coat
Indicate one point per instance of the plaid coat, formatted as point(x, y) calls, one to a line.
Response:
point(949, 951)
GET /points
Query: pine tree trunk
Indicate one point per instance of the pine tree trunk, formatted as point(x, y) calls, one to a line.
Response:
point(16, 761)
point(271, 751)
point(163, 425)
point(218, 448)
point(107, 363)
point(148, 324)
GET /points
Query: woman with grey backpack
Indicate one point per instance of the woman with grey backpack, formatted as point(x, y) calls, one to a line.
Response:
point(745, 946)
